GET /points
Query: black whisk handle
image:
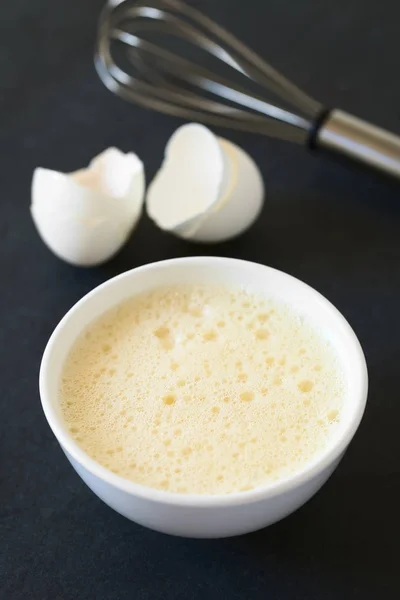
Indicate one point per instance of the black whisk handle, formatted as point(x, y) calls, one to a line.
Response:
point(341, 133)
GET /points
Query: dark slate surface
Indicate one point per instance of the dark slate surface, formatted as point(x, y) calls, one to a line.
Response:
point(334, 228)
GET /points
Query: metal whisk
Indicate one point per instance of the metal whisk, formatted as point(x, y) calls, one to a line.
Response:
point(239, 90)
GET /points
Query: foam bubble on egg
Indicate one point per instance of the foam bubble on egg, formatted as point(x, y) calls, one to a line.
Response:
point(86, 216)
point(207, 189)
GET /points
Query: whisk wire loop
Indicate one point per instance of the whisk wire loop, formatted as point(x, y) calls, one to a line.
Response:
point(168, 82)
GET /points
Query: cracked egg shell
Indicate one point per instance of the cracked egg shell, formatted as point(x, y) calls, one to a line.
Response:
point(207, 189)
point(85, 217)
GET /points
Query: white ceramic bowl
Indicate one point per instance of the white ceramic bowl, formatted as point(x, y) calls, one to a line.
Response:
point(197, 515)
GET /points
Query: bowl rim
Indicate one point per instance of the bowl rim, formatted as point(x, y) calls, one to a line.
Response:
point(268, 490)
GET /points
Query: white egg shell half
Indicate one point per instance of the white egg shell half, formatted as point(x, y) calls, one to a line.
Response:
point(85, 217)
point(207, 189)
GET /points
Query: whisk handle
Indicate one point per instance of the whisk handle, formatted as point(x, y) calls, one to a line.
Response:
point(341, 133)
